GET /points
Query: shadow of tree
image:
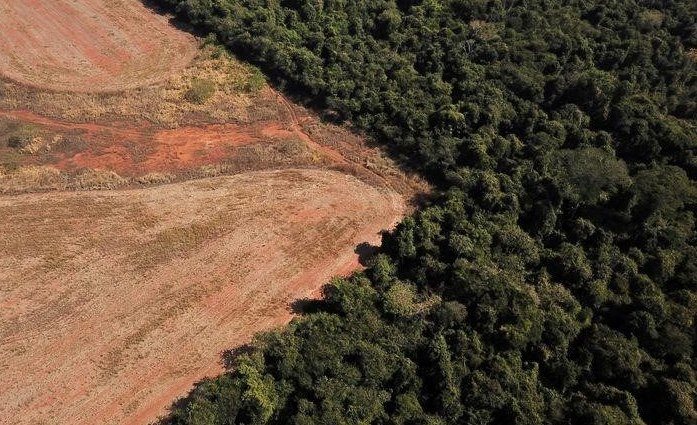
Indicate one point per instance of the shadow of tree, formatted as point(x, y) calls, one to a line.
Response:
point(365, 253)
point(301, 306)
point(307, 306)
point(228, 357)
point(163, 8)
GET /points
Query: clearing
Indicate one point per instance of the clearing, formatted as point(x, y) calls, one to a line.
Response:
point(88, 45)
point(112, 303)
point(160, 203)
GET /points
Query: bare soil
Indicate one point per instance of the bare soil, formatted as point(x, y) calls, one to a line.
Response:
point(88, 45)
point(62, 151)
point(220, 212)
point(130, 136)
point(134, 150)
point(112, 303)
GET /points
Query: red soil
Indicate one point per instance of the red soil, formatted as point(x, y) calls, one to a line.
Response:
point(113, 303)
point(132, 150)
point(88, 45)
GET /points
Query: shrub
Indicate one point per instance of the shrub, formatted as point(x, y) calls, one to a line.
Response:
point(200, 91)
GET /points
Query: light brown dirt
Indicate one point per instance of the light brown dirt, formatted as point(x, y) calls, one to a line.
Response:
point(88, 45)
point(113, 303)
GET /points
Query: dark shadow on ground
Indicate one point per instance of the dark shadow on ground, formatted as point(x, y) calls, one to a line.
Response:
point(307, 306)
point(228, 357)
point(161, 8)
point(365, 253)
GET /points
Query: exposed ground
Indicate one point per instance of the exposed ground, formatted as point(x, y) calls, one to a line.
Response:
point(157, 134)
point(88, 45)
point(113, 302)
point(156, 213)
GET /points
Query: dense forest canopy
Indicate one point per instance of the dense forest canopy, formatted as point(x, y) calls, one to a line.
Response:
point(553, 279)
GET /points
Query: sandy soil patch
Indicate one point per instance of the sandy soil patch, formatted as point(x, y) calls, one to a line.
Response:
point(113, 303)
point(88, 45)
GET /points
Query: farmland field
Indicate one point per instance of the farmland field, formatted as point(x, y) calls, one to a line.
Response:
point(88, 45)
point(115, 302)
point(160, 204)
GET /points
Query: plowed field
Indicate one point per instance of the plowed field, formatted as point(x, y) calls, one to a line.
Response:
point(112, 303)
point(88, 45)
point(226, 203)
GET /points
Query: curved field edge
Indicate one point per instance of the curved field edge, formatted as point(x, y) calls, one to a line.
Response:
point(555, 280)
point(115, 302)
point(89, 46)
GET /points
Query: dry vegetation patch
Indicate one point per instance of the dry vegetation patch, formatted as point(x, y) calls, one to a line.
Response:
point(213, 88)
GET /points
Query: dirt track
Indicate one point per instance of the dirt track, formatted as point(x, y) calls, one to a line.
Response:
point(112, 303)
point(88, 45)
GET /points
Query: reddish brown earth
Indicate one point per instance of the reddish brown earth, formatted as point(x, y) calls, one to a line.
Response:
point(88, 45)
point(113, 303)
point(132, 150)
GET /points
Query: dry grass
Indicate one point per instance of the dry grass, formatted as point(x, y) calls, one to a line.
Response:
point(271, 154)
point(234, 92)
point(371, 164)
point(39, 178)
point(31, 178)
point(124, 133)
point(261, 156)
point(98, 180)
point(200, 91)
point(155, 178)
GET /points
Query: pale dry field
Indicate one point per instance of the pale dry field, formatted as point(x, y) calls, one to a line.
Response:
point(88, 45)
point(113, 303)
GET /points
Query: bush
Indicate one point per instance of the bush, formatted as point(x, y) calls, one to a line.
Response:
point(21, 135)
point(200, 91)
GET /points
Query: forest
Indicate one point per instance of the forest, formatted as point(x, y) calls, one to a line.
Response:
point(552, 276)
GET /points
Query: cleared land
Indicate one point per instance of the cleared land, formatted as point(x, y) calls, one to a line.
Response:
point(156, 134)
point(232, 202)
point(112, 303)
point(88, 45)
